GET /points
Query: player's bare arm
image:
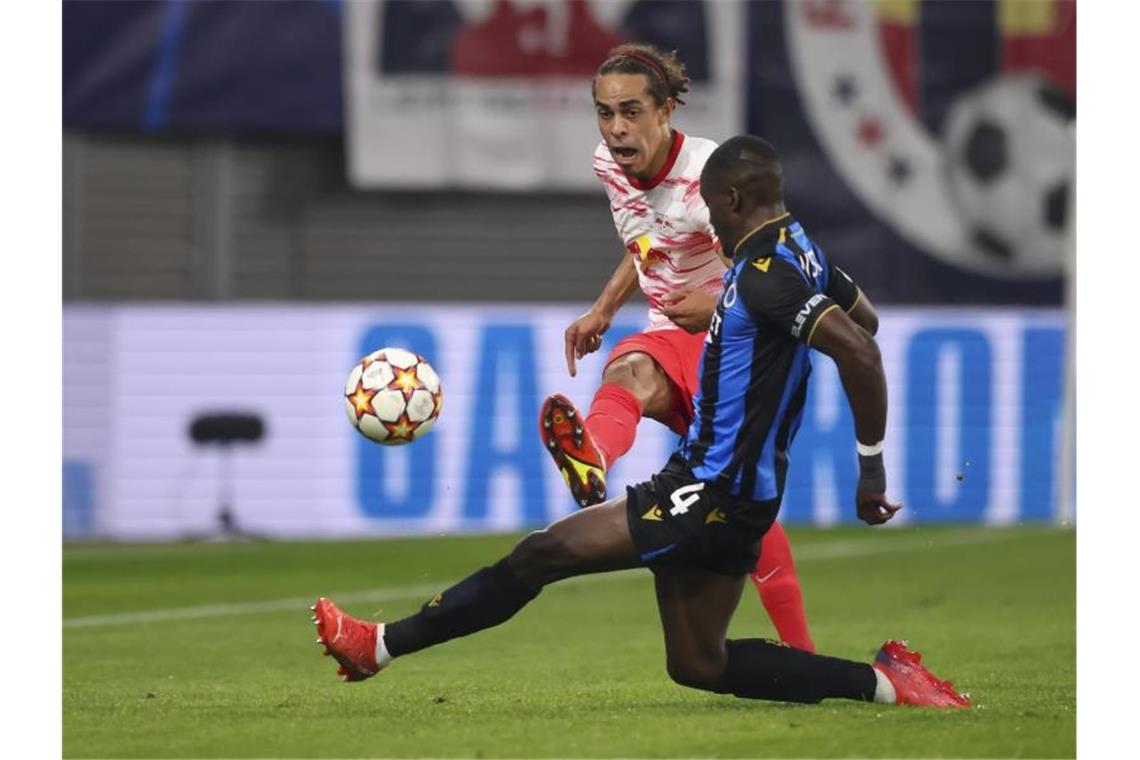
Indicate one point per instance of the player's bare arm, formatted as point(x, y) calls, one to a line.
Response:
point(584, 335)
point(692, 310)
point(856, 355)
point(863, 314)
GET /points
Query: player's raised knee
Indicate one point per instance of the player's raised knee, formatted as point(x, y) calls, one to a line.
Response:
point(639, 373)
point(630, 369)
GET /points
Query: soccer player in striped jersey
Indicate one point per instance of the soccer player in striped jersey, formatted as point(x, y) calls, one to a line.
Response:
point(698, 523)
point(650, 172)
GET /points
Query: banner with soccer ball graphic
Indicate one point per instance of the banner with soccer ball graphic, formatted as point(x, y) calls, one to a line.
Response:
point(987, 185)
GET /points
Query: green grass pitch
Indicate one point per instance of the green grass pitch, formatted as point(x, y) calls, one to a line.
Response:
point(206, 650)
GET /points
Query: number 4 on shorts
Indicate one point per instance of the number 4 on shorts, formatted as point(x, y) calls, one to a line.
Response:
point(684, 497)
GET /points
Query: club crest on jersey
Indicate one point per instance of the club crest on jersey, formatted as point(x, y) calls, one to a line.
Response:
point(643, 248)
point(730, 295)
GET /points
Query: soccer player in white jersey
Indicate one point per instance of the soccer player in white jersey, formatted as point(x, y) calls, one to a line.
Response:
point(651, 175)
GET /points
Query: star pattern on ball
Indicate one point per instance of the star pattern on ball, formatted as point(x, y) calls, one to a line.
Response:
point(381, 415)
point(405, 381)
point(401, 429)
point(361, 400)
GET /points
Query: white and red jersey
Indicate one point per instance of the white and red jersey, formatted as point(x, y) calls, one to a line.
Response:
point(664, 224)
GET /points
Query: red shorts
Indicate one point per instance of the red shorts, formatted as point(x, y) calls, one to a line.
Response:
point(678, 354)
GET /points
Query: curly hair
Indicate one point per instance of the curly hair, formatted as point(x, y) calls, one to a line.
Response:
point(664, 71)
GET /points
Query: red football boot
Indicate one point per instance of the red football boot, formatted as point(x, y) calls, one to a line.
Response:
point(914, 684)
point(352, 642)
point(565, 437)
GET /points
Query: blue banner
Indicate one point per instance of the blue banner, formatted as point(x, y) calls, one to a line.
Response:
point(975, 429)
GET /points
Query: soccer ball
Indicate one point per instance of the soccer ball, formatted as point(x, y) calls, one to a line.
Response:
point(1010, 159)
point(393, 396)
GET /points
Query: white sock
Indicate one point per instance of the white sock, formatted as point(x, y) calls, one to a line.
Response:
point(884, 689)
point(382, 656)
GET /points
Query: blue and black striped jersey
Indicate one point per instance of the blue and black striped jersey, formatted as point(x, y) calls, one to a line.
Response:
point(756, 362)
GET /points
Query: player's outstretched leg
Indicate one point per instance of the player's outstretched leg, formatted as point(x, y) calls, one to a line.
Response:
point(779, 588)
point(589, 541)
point(696, 606)
point(760, 669)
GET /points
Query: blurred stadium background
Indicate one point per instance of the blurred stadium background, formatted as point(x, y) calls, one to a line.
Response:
point(256, 194)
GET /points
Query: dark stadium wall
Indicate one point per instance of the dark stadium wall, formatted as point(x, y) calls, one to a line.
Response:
point(203, 160)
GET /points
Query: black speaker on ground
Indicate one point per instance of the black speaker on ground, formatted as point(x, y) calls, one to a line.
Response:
point(224, 430)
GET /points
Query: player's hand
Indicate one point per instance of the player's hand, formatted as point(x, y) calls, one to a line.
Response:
point(691, 311)
point(584, 336)
point(874, 509)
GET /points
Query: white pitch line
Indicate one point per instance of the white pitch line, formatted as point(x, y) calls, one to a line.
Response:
point(845, 549)
point(245, 608)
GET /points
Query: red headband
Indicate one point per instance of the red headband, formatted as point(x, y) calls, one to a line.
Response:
point(640, 58)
